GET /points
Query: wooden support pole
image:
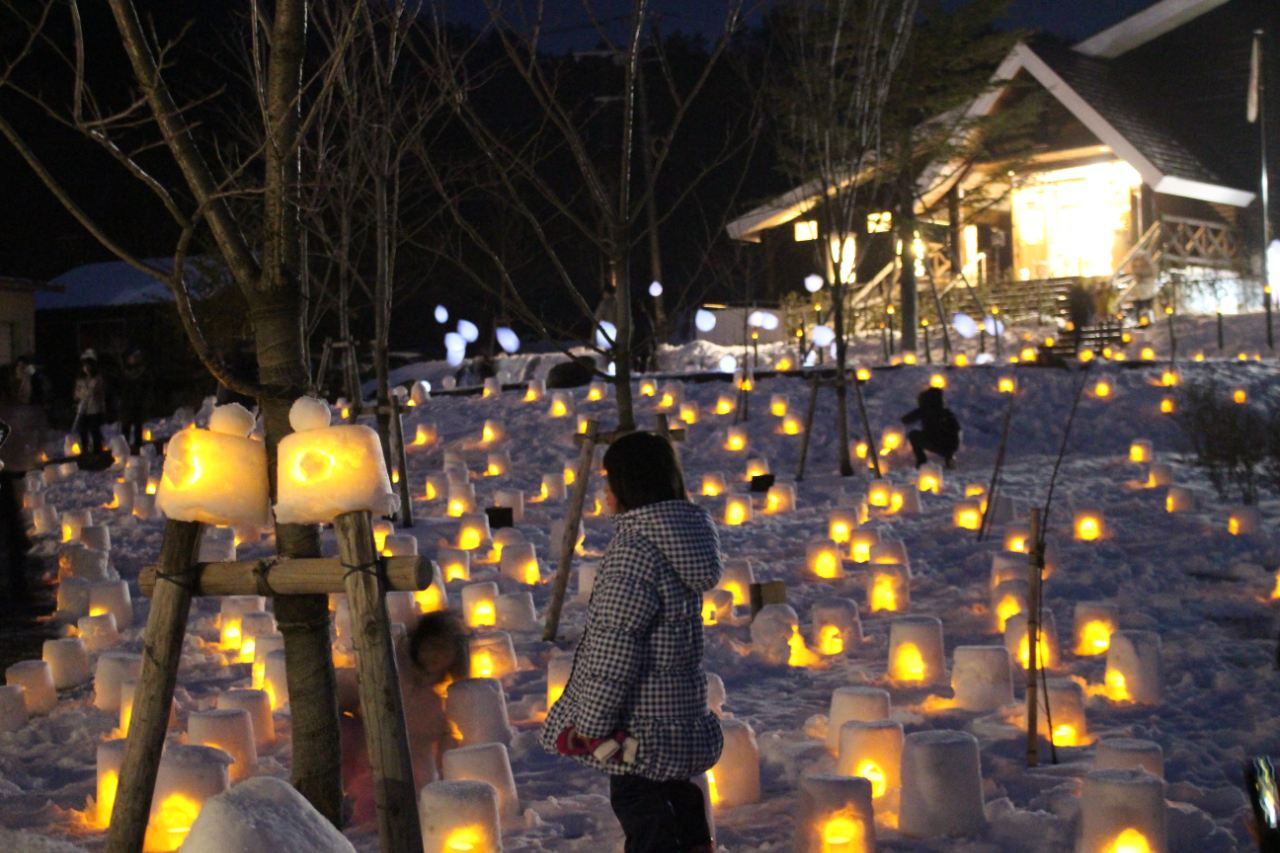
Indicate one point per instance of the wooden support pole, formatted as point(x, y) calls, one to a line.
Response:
point(808, 427)
point(402, 463)
point(161, 651)
point(1035, 564)
point(291, 576)
point(872, 452)
point(381, 702)
point(987, 510)
point(570, 540)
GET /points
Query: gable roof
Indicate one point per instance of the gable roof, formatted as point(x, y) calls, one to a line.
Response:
point(1147, 25)
point(109, 283)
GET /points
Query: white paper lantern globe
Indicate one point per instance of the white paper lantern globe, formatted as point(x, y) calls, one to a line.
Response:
point(655, 290)
point(704, 320)
point(469, 331)
point(813, 283)
point(769, 321)
point(728, 364)
point(216, 476)
point(606, 334)
point(823, 336)
point(441, 314)
point(508, 339)
point(965, 325)
point(324, 472)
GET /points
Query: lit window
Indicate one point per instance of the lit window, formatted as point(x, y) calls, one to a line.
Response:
point(806, 229)
point(879, 223)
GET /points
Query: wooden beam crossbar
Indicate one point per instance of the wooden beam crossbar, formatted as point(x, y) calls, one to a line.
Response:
point(292, 576)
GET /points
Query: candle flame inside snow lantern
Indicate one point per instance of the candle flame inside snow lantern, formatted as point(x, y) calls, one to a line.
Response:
point(725, 404)
point(736, 438)
point(878, 493)
point(781, 498)
point(822, 559)
point(841, 524)
point(713, 484)
point(967, 515)
point(1095, 622)
point(778, 405)
point(1088, 525)
point(219, 475)
point(915, 650)
point(929, 479)
point(737, 509)
point(1140, 451)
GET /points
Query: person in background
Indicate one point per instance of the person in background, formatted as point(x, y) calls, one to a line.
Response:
point(91, 398)
point(939, 429)
point(136, 386)
point(572, 374)
point(635, 706)
point(26, 385)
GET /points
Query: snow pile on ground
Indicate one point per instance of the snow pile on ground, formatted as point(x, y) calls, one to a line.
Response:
point(1182, 575)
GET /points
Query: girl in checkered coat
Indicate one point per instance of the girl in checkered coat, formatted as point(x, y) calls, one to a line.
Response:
point(635, 706)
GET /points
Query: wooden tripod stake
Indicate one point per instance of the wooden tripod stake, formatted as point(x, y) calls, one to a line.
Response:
point(402, 463)
point(1035, 569)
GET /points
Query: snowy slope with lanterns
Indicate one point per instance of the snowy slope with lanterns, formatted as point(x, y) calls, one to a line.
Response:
point(1182, 575)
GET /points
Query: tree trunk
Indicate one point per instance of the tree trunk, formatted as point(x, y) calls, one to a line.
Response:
point(622, 346)
point(842, 388)
point(382, 311)
point(908, 290)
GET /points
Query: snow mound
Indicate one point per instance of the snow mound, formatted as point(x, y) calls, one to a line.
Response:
point(262, 815)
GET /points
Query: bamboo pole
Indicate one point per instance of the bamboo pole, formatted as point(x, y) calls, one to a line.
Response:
point(1035, 564)
point(381, 703)
point(570, 540)
point(161, 651)
point(291, 576)
point(397, 435)
point(808, 426)
point(866, 425)
point(995, 474)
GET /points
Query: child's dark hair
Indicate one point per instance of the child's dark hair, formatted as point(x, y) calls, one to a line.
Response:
point(642, 469)
point(442, 630)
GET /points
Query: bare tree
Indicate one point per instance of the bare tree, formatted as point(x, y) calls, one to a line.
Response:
point(839, 58)
point(257, 237)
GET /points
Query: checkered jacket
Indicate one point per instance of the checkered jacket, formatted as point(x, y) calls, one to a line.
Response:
point(639, 664)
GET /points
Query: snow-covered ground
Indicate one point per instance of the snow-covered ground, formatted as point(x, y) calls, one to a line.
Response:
point(1182, 575)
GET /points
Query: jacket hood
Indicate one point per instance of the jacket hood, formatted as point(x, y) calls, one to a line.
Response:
point(685, 535)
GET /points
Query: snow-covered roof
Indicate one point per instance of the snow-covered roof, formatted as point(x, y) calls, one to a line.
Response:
point(108, 283)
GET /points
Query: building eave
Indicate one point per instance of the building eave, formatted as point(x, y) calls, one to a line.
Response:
point(1147, 25)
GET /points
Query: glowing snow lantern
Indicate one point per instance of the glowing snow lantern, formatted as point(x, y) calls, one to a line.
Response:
point(230, 730)
point(648, 388)
point(1008, 599)
point(878, 493)
point(1167, 405)
point(460, 815)
point(915, 650)
point(930, 479)
point(1159, 475)
point(1007, 385)
point(778, 404)
point(841, 523)
point(1102, 389)
point(381, 530)
point(597, 390)
point(1123, 811)
point(941, 785)
point(275, 680)
point(737, 509)
point(561, 404)
point(717, 606)
point(189, 774)
point(473, 531)
point(462, 500)
point(822, 559)
point(982, 678)
point(689, 412)
point(492, 431)
point(836, 626)
point(553, 487)
point(736, 776)
point(520, 563)
point(454, 563)
point(325, 471)
point(891, 439)
point(492, 655)
point(219, 475)
point(736, 438)
point(559, 669)
point(1179, 499)
point(791, 425)
point(1244, 521)
point(1065, 700)
point(492, 387)
point(860, 544)
point(713, 484)
point(1134, 668)
point(1016, 538)
point(110, 755)
point(780, 499)
point(499, 463)
point(871, 749)
point(725, 404)
point(1240, 395)
point(1124, 753)
point(967, 515)
point(736, 579)
point(1088, 525)
point(487, 762)
point(757, 466)
point(535, 391)
point(1140, 451)
point(480, 604)
point(1169, 378)
point(835, 815)
point(1017, 641)
point(255, 703)
point(1094, 623)
point(512, 499)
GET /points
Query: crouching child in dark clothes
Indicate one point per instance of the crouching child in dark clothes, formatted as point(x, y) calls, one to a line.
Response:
point(635, 706)
point(939, 429)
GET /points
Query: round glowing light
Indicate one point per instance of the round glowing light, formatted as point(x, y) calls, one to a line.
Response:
point(769, 321)
point(612, 369)
point(606, 334)
point(813, 283)
point(470, 333)
point(965, 325)
point(823, 336)
point(993, 326)
point(655, 290)
point(454, 341)
point(704, 320)
point(755, 318)
point(728, 364)
point(508, 340)
point(442, 314)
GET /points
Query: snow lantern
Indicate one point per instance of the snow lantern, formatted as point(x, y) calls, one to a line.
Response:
point(854, 703)
point(597, 390)
point(561, 404)
point(233, 609)
point(725, 404)
point(1008, 598)
point(781, 498)
point(872, 749)
point(559, 669)
point(941, 785)
point(68, 660)
point(1244, 521)
point(1088, 524)
point(835, 814)
point(459, 814)
point(1007, 566)
point(454, 564)
point(836, 626)
point(822, 559)
point(264, 645)
point(717, 606)
point(860, 544)
point(35, 677)
point(1094, 623)
point(218, 475)
point(255, 703)
point(144, 505)
point(517, 613)
point(553, 487)
point(1102, 390)
point(492, 387)
point(480, 604)
point(1140, 450)
point(520, 563)
point(426, 435)
point(891, 439)
point(878, 493)
point(46, 520)
point(903, 500)
point(499, 463)
point(275, 679)
point(1179, 499)
point(967, 515)
point(1017, 641)
point(110, 755)
point(915, 650)
point(434, 597)
point(713, 484)
point(487, 762)
point(73, 522)
point(982, 677)
point(736, 578)
point(772, 630)
point(123, 495)
point(477, 710)
point(735, 779)
point(189, 774)
point(400, 545)
point(98, 632)
point(689, 412)
point(1159, 475)
point(1007, 385)
point(462, 500)
point(230, 730)
point(791, 425)
point(1134, 667)
point(757, 466)
point(737, 509)
point(473, 531)
point(736, 438)
point(1123, 811)
point(73, 599)
point(493, 431)
point(1065, 701)
point(492, 655)
point(778, 404)
point(112, 669)
point(841, 523)
point(535, 391)
point(1016, 538)
point(325, 471)
point(648, 388)
point(1127, 753)
point(512, 499)
point(929, 478)
point(888, 588)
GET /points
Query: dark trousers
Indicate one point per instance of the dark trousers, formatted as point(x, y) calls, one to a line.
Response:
point(659, 817)
point(91, 434)
point(920, 443)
